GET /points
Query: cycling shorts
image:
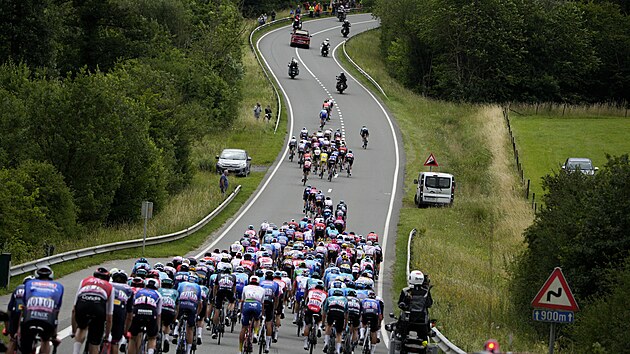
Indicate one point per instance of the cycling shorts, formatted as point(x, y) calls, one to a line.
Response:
point(299, 295)
point(147, 321)
point(223, 294)
point(45, 331)
point(280, 307)
point(354, 319)
point(167, 317)
point(251, 311)
point(118, 325)
point(308, 316)
point(370, 320)
point(91, 315)
point(191, 316)
point(338, 317)
point(268, 311)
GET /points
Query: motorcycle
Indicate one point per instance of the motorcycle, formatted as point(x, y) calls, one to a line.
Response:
point(341, 15)
point(293, 71)
point(324, 50)
point(345, 31)
point(341, 86)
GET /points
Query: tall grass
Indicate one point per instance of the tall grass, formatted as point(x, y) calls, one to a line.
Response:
point(466, 248)
point(569, 110)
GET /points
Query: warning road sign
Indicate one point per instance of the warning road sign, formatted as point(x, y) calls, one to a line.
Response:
point(431, 161)
point(556, 294)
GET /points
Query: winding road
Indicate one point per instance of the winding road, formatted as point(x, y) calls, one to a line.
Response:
point(373, 193)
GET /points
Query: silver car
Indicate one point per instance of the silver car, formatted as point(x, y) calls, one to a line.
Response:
point(234, 160)
point(584, 165)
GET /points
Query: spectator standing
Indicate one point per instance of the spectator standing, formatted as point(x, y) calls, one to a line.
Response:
point(223, 182)
point(257, 110)
point(268, 113)
point(273, 15)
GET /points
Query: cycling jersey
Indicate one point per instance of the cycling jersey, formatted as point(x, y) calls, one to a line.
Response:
point(147, 305)
point(42, 301)
point(315, 300)
point(189, 296)
point(272, 290)
point(169, 299)
point(241, 281)
point(180, 277)
point(226, 282)
point(253, 296)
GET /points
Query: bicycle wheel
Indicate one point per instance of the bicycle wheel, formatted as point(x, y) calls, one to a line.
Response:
point(261, 339)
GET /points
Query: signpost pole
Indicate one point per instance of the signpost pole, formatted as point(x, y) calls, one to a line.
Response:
point(144, 238)
point(552, 337)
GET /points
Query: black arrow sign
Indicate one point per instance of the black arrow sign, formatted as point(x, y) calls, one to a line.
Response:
point(554, 294)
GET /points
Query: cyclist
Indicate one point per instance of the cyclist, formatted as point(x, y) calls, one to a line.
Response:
point(314, 299)
point(365, 134)
point(123, 305)
point(354, 314)
point(205, 312)
point(282, 290)
point(14, 310)
point(93, 311)
point(224, 288)
point(292, 145)
point(304, 133)
point(188, 305)
point(371, 317)
point(335, 312)
point(323, 117)
point(42, 301)
point(147, 308)
point(251, 308)
point(350, 161)
point(323, 161)
point(169, 309)
point(272, 293)
point(306, 169)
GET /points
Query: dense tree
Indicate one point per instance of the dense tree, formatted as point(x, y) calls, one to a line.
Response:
point(582, 228)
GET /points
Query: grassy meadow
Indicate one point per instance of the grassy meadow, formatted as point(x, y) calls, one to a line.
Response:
point(465, 249)
point(546, 140)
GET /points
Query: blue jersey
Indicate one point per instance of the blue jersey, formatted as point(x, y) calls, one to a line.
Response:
point(323, 114)
point(189, 296)
point(42, 300)
point(241, 281)
point(370, 307)
point(123, 299)
point(147, 302)
point(272, 290)
point(180, 277)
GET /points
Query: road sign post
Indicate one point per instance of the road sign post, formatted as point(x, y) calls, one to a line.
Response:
point(147, 213)
point(554, 303)
point(431, 161)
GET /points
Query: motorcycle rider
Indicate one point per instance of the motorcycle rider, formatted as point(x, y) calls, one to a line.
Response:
point(325, 46)
point(297, 23)
point(293, 65)
point(342, 81)
point(345, 27)
point(415, 300)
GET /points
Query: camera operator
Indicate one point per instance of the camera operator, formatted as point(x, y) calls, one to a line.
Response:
point(415, 301)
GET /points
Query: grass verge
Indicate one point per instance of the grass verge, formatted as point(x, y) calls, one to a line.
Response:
point(546, 141)
point(466, 248)
point(203, 195)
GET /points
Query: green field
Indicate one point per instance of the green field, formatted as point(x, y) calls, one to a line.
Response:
point(546, 141)
point(466, 248)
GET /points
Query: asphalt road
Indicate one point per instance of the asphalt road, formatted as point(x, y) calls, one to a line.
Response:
point(373, 192)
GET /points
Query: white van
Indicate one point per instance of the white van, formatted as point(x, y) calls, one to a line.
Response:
point(434, 188)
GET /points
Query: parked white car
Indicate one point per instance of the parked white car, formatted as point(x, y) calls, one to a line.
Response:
point(434, 188)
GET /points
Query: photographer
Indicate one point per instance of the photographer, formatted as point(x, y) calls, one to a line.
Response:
point(415, 300)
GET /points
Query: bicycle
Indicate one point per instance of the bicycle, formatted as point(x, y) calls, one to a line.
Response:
point(37, 339)
point(367, 341)
point(182, 340)
point(312, 335)
point(346, 345)
point(262, 341)
point(332, 340)
point(332, 172)
point(233, 319)
point(322, 171)
point(365, 141)
point(349, 169)
point(220, 327)
point(305, 178)
point(300, 320)
point(291, 153)
point(248, 346)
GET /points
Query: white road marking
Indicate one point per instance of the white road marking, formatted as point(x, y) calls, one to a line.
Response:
point(390, 210)
point(329, 190)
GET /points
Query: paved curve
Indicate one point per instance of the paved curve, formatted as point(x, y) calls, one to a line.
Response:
point(368, 192)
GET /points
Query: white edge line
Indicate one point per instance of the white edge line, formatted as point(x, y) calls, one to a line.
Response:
point(394, 185)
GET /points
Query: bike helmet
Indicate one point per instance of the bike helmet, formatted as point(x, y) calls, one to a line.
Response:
point(284, 274)
point(260, 273)
point(119, 276)
point(371, 295)
point(167, 283)
point(141, 273)
point(193, 278)
point(327, 40)
point(44, 273)
point(239, 269)
point(337, 292)
point(102, 273)
point(184, 268)
point(277, 274)
point(192, 261)
point(416, 277)
point(227, 270)
point(158, 266)
point(142, 260)
point(319, 285)
point(137, 282)
point(351, 292)
point(254, 280)
point(151, 284)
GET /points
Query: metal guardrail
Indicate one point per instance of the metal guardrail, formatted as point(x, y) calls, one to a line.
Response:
point(253, 48)
point(442, 342)
point(356, 66)
point(116, 246)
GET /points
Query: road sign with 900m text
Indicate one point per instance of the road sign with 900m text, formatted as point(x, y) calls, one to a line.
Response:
point(553, 316)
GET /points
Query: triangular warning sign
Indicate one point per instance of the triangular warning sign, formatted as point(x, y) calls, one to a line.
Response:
point(431, 161)
point(556, 294)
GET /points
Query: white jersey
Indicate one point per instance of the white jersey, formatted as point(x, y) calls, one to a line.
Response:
point(328, 203)
point(253, 293)
point(236, 248)
point(236, 262)
point(223, 265)
point(288, 282)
